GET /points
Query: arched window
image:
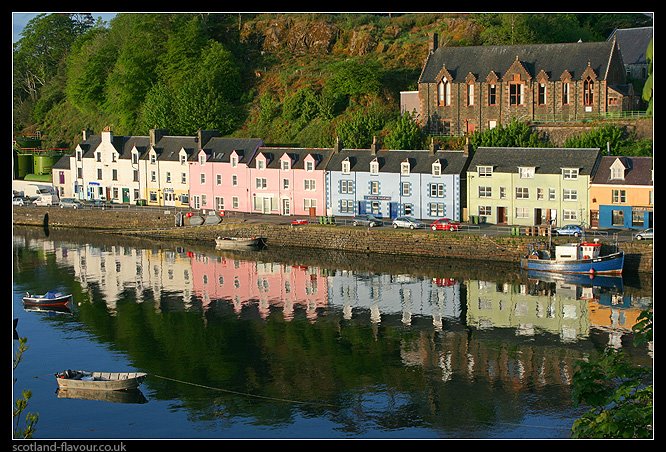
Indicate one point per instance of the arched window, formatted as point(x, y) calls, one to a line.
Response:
point(588, 91)
point(444, 93)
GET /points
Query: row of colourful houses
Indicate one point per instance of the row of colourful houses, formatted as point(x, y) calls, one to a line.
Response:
point(504, 185)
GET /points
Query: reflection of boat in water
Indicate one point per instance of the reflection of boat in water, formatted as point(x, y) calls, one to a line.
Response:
point(604, 281)
point(57, 309)
point(236, 243)
point(127, 396)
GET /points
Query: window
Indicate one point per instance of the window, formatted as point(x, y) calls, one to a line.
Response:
point(99, 173)
point(234, 180)
point(218, 179)
point(261, 164)
point(565, 93)
point(183, 178)
point(470, 95)
point(375, 208)
point(541, 94)
point(135, 175)
point(569, 194)
point(437, 209)
point(619, 196)
point(98, 156)
point(637, 218)
point(260, 183)
point(114, 174)
point(588, 91)
point(570, 173)
point(502, 192)
point(113, 157)
point(234, 202)
point(309, 166)
point(285, 184)
point(485, 192)
point(79, 154)
point(516, 93)
point(484, 171)
point(522, 212)
point(346, 167)
point(204, 200)
point(308, 203)
point(526, 172)
point(551, 194)
point(569, 215)
point(309, 184)
point(404, 188)
point(285, 165)
point(234, 161)
point(436, 169)
point(539, 193)
point(522, 193)
point(485, 210)
point(346, 186)
point(404, 168)
point(374, 167)
point(444, 93)
point(219, 203)
point(492, 94)
point(374, 187)
point(617, 173)
point(346, 206)
point(436, 190)
point(202, 178)
point(409, 209)
point(168, 177)
point(183, 159)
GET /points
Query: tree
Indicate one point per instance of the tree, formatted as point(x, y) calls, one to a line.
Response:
point(21, 404)
point(404, 134)
point(514, 134)
point(647, 88)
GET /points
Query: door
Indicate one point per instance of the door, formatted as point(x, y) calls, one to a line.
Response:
point(286, 206)
point(266, 205)
point(361, 208)
point(126, 195)
point(501, 215)
point(393, 210)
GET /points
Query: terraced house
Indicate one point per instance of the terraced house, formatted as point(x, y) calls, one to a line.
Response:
point(464, 89)
point(425, 184)
point(531, 186)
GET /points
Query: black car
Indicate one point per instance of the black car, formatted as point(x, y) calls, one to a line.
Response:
point(366, 220)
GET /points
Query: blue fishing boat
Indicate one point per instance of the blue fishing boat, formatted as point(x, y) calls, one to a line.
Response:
point(579, 258)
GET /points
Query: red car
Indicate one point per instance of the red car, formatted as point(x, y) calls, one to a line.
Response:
point(445, 224)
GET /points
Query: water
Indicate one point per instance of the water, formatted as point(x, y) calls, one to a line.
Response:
point(286, 343)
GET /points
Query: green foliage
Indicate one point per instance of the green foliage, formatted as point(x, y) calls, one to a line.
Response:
point(621, 141)
point(25, 429)
point(621, 395)
point(648, 86)
point(514, 134)
point(404, 133)
point(357, 130)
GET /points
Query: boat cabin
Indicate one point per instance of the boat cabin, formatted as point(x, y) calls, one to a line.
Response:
point(577, 251)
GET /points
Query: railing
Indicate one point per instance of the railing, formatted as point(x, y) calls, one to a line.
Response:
point(542, 119)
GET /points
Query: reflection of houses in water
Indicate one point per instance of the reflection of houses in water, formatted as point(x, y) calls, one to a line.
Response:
point(115, 269)
point(405, 295)
point(526, 308)
point(615, 313)
point(266, 284)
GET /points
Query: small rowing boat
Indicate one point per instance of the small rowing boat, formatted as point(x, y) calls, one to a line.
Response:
point(101, 381)
point(50, 298)
point(239, 242)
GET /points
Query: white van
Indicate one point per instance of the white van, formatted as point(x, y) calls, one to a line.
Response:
point(46, 199)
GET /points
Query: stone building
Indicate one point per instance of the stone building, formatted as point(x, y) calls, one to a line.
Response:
point(464, 89)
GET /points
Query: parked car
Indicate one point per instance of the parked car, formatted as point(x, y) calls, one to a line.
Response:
point(445, 224)
point(70, 203)
point(570, 229)
point(366, 220)
point(96, 203)
point(407, 222)
point(645, 234)
point(21, 201)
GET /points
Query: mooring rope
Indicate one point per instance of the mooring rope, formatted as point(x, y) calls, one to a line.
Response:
point(242, 393)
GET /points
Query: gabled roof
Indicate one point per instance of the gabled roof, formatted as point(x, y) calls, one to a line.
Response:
point(123, 144)
point(544, 160)
point(220, 149)
point(168, 147)
point(633, 42)
point(553, 59)
point(297, 155)
point(638, 171)
point(420, 161)
point(63, 162)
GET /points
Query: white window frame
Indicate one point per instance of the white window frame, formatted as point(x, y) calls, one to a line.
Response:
point(309, 185)
point(484, 171)
point(374, 187)
point(260, 183)
point(346, 186)
point(286, 165)
point(569, 215)
point(522, 193)
point(346, 166)
point(485, 191)
point(570, 173)
point(404, 168)
point(526, 172)
point(374, 167)
point(522, 212)
point(436, 169)
point(569, 194)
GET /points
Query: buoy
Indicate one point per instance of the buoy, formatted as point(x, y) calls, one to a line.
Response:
point(591, 271)
point(586, 257)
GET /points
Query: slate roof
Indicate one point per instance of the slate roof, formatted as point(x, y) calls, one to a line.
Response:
point(553, 59)
point(638, 172)
point(633, 42)
point(453, 162)
point(168, 147)
point(219, 149)
point(63, 162)
point(545, 160)
point(297, 155)
point(123, 145)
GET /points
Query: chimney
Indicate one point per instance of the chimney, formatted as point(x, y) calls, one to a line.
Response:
point(374, 147)
point(467, 148)
point(86, 134)
point(205, 135)
point(337, 148)
point(156, 135)
point(432, 146)
point(433, 44)
point(107, 135)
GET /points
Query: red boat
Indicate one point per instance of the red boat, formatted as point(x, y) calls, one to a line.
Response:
point(48, 299)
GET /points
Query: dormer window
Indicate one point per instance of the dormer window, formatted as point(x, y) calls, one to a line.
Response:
point(153, 158)
point(135, 158)
point(261, 164)
point(404, 168)
point(346, 166)
point(183, 159)
point(526, 172)
point(570, 173)
point(617, 170)
point(98, 156)
point(374, 167)
point(234, 161)
point(286, 166)
point(202, 159)
point(484, 171)
point(309, 166)
point(79, 155)
point(436, 169)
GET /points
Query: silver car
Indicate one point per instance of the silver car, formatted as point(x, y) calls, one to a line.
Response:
point(407, 222)
point(71, 203)
point(645, 234)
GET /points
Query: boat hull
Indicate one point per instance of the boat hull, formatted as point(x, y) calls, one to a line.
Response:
point(42, 300)
point(611, 264)
point(100, 381)
point(234, 243)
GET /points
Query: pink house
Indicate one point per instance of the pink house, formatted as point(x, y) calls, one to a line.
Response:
point(288, 181)
point(219, 174)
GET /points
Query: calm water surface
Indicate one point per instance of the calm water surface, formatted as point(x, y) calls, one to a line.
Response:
point(286, 343)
